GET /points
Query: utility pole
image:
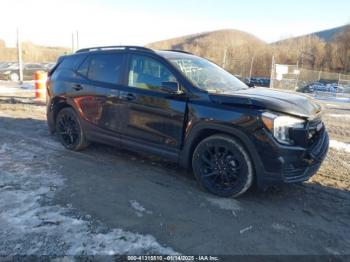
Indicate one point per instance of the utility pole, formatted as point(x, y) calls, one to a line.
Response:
point(224, 59)
point(19, 57)
point(251, 68)
point(298, 74)
point(272, 70)
point(297, 79)
point(72, 42)
point(77, 35)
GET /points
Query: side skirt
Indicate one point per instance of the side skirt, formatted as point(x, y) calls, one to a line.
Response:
point(99, 135)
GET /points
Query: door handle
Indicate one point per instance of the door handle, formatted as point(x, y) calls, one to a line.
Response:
point(128, 97)
point(78, 87)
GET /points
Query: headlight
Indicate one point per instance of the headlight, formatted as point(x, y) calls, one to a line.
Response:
point(280, 126)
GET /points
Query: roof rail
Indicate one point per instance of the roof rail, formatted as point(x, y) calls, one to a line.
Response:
point(115, 47)
point(180, 51)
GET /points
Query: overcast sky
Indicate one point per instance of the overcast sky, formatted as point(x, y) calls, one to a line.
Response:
point(108, 22)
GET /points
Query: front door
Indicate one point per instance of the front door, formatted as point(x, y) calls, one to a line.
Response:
point(149, 115)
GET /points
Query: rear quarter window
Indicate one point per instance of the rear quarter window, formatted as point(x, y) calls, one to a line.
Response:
point(72, 62)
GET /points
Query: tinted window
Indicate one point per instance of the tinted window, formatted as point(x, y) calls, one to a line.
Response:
point(147, 73)
point(72, 61)
point(106, 68)
point(83, 69)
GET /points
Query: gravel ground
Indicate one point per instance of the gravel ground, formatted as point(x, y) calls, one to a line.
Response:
point(109, 201)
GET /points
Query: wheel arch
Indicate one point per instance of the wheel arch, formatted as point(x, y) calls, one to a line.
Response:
point(201, 132)
point(57, 105)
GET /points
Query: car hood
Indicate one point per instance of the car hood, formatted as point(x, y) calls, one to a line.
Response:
point(275, 100)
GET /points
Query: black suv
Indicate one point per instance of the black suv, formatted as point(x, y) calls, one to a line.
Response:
point(188, 110)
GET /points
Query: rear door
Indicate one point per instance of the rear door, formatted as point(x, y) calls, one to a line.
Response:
point(151, 117)
point(95, 90)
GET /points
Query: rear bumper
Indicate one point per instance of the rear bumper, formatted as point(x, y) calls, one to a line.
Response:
point(293, 164)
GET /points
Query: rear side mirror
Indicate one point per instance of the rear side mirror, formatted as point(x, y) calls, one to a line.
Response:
point(171, 87)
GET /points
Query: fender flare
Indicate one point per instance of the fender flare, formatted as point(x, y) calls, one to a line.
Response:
point(55, 106)
point(196, 133)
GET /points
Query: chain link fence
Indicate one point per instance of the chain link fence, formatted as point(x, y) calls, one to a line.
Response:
point(318, 83)
point(344, 82)
point(241, 68)
point(284, 76)
point(247, 70)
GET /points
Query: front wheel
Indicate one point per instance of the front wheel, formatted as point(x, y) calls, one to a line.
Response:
point(69, 130)
point(222, 166)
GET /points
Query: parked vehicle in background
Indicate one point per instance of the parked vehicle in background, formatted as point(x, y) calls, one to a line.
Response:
point(188, 110)
point(260, 81)
point(48, 66)
point(10, 71)
point(321, 86)
point(5, 64)
point(30, 69)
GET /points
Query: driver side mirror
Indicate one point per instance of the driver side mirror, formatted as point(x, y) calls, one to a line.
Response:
point(171, 87)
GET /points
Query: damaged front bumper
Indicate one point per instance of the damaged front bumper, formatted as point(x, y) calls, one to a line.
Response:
point(291, 164)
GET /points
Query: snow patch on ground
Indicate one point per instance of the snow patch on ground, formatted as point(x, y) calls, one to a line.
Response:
point(339, 145)
point(280, 227)
point(333, 99)
point(8, 90)
point(31, 226)
point(13, 88)
point(28, 85)
point(140, 210)
point(226, 204)
point(242, 231)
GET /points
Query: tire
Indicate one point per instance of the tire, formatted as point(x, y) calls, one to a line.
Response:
point(222, 166)
point(69, 130)
point(14, 77)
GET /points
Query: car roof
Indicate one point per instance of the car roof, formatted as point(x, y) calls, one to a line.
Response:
point(163, 53)
point(115, 47)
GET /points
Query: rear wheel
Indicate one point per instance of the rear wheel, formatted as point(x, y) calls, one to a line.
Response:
point(222, 166)
point(69, 130)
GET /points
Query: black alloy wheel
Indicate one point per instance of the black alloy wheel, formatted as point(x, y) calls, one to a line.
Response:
point(69, 130)
point(222, 166)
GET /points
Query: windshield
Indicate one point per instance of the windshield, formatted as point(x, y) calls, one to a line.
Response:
point(207, 75)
